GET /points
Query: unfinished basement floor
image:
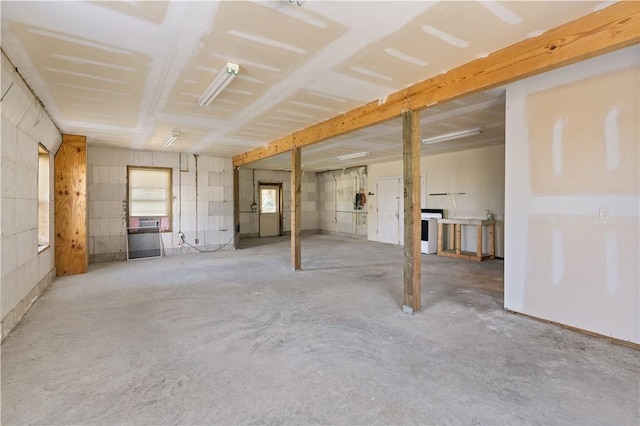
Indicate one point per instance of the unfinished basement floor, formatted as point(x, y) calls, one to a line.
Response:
point(236, 337)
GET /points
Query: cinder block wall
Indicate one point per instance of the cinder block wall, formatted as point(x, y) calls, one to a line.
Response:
point(211, 223)
point(336, 202)
point(249, 186)
point(26, 273)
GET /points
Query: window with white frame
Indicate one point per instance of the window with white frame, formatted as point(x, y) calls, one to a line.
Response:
point(149, 198)
point(44, 197)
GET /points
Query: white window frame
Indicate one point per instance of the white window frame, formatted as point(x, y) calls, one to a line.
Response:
point(44, 198)
point(152, 191)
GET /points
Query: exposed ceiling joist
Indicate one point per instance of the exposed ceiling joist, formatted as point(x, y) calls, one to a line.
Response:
point(612, 28)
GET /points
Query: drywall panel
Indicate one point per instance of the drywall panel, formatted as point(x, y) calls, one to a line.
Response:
point(559, 269)
point(572, 204)
point(576, 129)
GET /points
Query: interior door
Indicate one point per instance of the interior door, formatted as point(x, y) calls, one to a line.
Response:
point(269, 210)
point(389, 210)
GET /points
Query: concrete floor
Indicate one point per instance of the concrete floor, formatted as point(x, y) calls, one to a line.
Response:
point(237, 337)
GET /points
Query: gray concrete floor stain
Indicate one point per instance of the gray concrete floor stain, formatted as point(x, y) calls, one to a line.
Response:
point(236, 337)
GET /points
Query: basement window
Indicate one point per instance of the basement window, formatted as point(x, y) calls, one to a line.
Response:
point(44, 197)
point(149, 199)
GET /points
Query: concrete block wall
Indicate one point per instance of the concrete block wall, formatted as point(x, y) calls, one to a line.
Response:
point(249, 186)
point(215, 202)
point(26, 271)
point(337, 214)
point(211, 223)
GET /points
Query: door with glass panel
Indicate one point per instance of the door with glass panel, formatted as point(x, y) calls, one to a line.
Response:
point(269, 210)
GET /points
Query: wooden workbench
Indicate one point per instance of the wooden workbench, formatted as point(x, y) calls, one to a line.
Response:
point(454, 248)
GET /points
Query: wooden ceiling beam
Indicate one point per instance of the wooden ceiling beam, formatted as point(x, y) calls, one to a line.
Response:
point(610, 29)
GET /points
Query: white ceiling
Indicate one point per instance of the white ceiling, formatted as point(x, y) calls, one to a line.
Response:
point(127, 73)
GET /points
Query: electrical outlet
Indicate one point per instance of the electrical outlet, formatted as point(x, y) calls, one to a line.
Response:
point(197, 241)
point(604, 213)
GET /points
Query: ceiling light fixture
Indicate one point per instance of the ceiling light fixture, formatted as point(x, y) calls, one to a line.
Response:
point(352, 156)
point(220, 81)
point(171, 138)
point(454, 135)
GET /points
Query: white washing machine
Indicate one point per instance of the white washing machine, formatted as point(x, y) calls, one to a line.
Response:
point(429, 234)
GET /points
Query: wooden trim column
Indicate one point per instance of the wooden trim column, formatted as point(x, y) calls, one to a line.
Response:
point(296, 210)
point(236, 208)
point(70, 185)
point(412, 224)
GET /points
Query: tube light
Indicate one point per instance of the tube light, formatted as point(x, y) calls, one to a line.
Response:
point(352, 156)
point(454, 135)
point(171, 138)
point(220, 81)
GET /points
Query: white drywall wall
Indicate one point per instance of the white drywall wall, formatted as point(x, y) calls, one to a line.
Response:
point(572, 148)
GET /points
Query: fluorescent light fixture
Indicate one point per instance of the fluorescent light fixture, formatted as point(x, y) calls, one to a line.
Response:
point(171, 138)
point(220, 81)
point(454, 135)
point(352, 156)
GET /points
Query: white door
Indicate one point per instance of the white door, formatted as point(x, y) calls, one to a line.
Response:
point(269, 210)
point(391, 208)
point(389, 213)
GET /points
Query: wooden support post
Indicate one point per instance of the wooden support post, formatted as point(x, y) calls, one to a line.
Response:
point(440, 231)
point(458, 245)
point(296, 210)
point(451, 234)
point(479, 241)
point(412, 223)
point(71, 236)
point(492, 241)
point(236, 208)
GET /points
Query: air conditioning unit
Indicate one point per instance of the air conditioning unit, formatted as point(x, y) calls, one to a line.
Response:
point(149, 222)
